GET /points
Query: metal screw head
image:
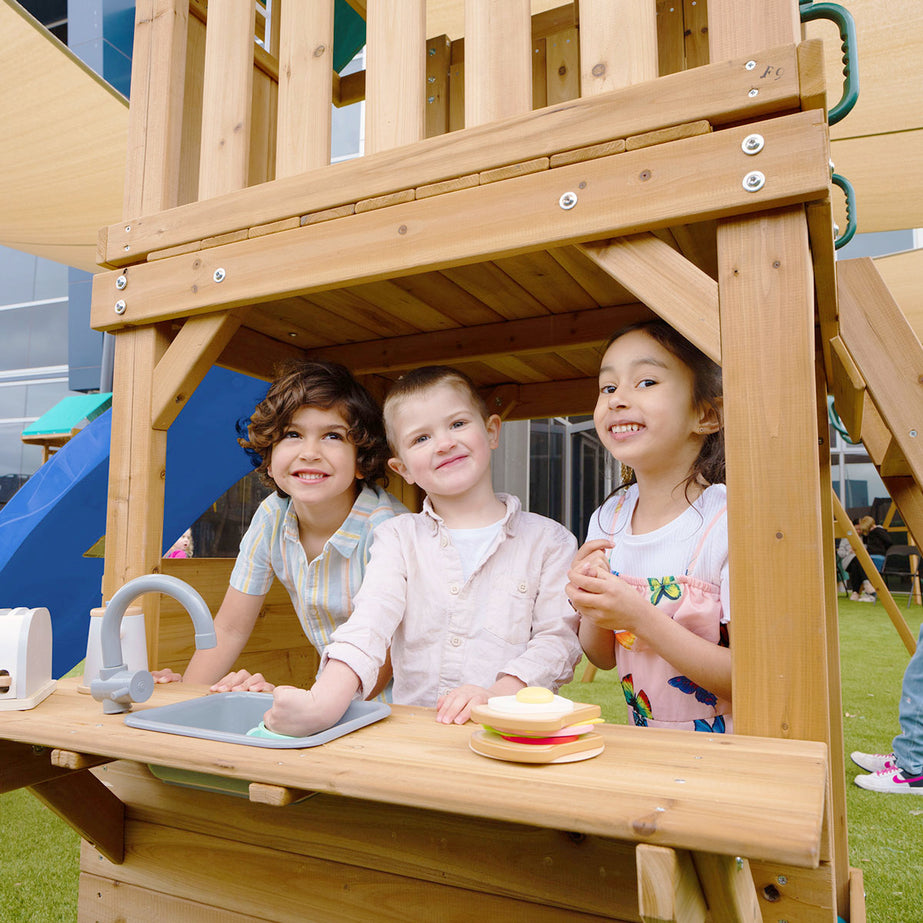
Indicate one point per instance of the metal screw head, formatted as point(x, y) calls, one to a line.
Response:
point(568, 200)
point(219, 275)
point(750, 65)
point(753, 144)
point(913, 434)
point(120, 307)
point(753, 92)
point(121, 282)
point(754, 181)
point(782, 880)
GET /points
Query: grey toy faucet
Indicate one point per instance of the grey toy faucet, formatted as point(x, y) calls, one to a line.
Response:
point(117, 687)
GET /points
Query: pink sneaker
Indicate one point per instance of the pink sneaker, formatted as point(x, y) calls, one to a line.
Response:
point(892, 781)
point(873, 762)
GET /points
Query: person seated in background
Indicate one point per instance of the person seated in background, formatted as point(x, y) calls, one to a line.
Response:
point(876, 539)
point(860, 589)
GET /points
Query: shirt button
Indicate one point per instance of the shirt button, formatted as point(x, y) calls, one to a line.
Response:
point(453, 589)
point(456, 641)
point(522, 588)
point(444, 541)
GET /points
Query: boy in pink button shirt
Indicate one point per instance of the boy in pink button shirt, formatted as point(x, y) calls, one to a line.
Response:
point(468, 594)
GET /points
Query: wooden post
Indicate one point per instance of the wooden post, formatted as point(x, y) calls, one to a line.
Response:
point(781, 664)
point(228, 85)
point(305, 86)
point(498, 60)
point(618, 44)
point(395, 73)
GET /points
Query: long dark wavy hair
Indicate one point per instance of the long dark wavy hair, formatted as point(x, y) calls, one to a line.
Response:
point(317, 383)
point(709, 465)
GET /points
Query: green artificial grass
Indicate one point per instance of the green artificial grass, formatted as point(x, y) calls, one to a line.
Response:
point(39, 866)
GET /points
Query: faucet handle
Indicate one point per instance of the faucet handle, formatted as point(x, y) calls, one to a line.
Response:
point(117, 687)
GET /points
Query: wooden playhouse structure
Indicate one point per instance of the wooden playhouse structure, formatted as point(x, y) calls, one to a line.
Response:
point(526, 189)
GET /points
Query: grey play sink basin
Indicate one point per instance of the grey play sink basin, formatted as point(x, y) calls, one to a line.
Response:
point(227, 716)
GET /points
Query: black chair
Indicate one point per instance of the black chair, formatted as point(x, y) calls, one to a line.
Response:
point(902, 565)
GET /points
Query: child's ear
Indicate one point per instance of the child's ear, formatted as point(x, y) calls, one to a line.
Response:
point(710, 419)
point(398, 467)
point(493, 423)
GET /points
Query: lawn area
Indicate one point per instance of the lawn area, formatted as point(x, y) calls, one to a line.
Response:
point(38, 871)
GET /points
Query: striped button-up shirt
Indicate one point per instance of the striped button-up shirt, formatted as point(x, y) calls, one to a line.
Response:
point(322, 590)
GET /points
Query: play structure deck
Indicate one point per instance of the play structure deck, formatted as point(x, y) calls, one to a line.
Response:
point(525, 190)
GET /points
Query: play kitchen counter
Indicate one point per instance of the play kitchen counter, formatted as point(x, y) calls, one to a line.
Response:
point(405, 822)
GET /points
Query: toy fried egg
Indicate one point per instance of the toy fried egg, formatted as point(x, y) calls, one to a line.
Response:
point(532, 701)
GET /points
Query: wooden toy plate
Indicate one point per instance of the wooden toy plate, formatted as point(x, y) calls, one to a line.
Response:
point(533, 725)
point(487, 743)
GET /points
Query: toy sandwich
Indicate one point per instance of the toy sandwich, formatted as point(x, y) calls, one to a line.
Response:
point(536, 726)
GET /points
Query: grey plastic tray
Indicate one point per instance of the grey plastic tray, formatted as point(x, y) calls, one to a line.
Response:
point(227, 716)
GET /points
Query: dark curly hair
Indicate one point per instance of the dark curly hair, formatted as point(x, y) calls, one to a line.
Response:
point(317, 383)
point(706, 393)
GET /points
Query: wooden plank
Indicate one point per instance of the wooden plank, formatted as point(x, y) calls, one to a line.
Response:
point(438, 55)
point(605, 149)
point(513, 169)
point(383, 201)
point(255, 879)
point(562, 67)
point(155, 117)
point(261, 167)
point(484, 342)
point(499, 220)
point(137, 459)
point(226, 107)
point(186, 361)
point(873, 327)
point(279, 796)
point(547, 279)
point(880, 443)
point(668, 889)
point(762, 796)
point(539, 74)
point(498, 60)
point(662, 135)
point(695, 32)
point(396, 73)
point(305, 78)
point(489, 284)
point(89, 807)
point(68, 759)
point(255, 354)
point(908, 498)
point(734, 25)
point(718, 93)
point(728, 887)
point(618, 44)
point(24, 765)
point(671, 53)
point(666, 282)
point(105, 900)
point(847, 387)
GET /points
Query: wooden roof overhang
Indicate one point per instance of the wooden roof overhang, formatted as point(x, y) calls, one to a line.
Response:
point(461, 249)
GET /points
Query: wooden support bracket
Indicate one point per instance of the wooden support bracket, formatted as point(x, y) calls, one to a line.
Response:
point(668, 887)
point(278, 796)
point(729, 889)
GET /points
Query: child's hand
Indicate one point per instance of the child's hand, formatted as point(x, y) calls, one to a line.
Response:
point(591, 558)
point(455, 706)
point(167, 676)
point(242, 681)
point(605, 599)
point(295, 712)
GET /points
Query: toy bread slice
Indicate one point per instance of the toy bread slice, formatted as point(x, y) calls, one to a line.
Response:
point(492, 745)
point(533, 725)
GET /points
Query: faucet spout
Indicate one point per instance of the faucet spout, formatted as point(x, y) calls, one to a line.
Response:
point(117, 687)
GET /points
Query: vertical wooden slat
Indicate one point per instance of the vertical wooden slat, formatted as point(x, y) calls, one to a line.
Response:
point(226, 105)
point(155, 117)
point(457, 85)
point(618, 44)
point(395, 73)
point(498, 65)
point(695, 16)
point(539, 84)
point(777, 536)
point(670, 39)
point(562, 66)
point(305, 85)
point(438, 54)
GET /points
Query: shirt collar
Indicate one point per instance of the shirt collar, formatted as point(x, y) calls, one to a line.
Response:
point(508, 523)
point(346, 538)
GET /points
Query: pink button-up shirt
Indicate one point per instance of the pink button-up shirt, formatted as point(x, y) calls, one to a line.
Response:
point(510, 616)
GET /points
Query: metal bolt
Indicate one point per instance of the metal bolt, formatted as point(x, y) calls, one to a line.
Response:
point(120, 307)
point(430, 79)
point(431, 99)
point(127, 228)
point(753, 144)
point(754, 181)
point(432, 52)
point(750, 65)
point(753, 92)
point(740, 863)
point(782, 880)
point(121, 282)
point(568, 200)
point(913, 434)
point(219, 275)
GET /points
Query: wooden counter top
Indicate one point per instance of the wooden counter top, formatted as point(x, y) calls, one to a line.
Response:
point(754, 797)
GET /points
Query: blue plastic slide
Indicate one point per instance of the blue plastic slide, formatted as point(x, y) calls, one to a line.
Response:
point(60, 512)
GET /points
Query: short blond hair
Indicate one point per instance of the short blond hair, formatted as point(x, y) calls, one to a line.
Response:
point(424, 379)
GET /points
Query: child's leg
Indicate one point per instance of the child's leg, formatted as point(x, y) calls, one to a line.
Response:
point(908, 745)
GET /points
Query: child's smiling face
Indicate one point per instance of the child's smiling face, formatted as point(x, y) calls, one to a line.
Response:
point(442, 442)
point(644, 414)
point(314, 461)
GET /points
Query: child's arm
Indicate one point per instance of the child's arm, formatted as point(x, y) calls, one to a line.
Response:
point(233, 624)
point(301, 712)
point(597, 643)
point(610, 603)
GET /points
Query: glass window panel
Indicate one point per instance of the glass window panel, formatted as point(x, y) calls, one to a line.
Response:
point(14, 338)
point(13, 404)
point(17, 276)
point(47, 334)
point(41, 398)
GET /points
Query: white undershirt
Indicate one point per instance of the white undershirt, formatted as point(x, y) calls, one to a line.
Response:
point(472, 545)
